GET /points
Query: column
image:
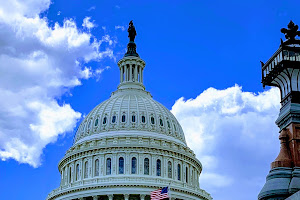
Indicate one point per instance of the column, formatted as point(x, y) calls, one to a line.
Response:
point(110, 196)
point(130, 72)
point(135, 73)
point(141, 75)
point(126, 196)
point(121, 74)
point(95, 197)
point(142, 196)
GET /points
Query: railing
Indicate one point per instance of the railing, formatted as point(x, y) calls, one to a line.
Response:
point(290, 54)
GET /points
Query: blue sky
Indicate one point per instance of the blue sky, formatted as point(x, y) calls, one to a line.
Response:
point(59, 60)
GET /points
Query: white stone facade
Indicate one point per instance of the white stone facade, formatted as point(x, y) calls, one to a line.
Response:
point(128, 146)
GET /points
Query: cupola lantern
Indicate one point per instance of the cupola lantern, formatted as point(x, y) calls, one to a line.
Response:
point(131, 65)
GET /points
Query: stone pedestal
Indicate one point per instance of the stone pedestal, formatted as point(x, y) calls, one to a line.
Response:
point(295, 182)
point(277, 184)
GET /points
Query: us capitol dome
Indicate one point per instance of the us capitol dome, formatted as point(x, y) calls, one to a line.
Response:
point(128, 146)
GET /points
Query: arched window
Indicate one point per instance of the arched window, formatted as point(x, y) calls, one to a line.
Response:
point(97, 167)
point(178, 172)
point(146, 166)
point(143, 119)
point(133, 165)
point(161, 122)
point(86, 169)
point(158, 167)
point(113, 119)
point(77, 172)
point(104, 120)
point(121, 165)
point(108, 166)
point(123, 118)
point(152, 120)
point(175, 128)
point(169, 169)
point(70, 175)
point(96, 122)
point(133, 118)
point(186, 175)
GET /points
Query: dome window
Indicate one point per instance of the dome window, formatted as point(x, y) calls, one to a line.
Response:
point(96, 122)
point(161, 122)
point(123, 118)
point(169, 169)
point(168, 124)
point(179, 172)
point(146, 166)
point(86, 169)
point(133, 165)
point(158, 167)
point(70, 175)
point(104, 120)
point(186, 175)
point(121, 165)
point(108, 166)
point(175, 127)
point(97, 167)
point(113, 119)
point(152, 120)
point(133, 118)
point(143, 119)
point(77, 172)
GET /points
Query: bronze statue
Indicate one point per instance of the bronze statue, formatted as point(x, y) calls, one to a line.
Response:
point(291, 32)
point(131, 32)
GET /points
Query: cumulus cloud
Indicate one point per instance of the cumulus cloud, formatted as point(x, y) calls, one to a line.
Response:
point(39, 64)
point(234, 136)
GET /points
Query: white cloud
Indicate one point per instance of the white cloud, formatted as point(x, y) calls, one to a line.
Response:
point(233, 134)
point(92, 8)
point(39, 64)
point(120, 27)
point(87, 23)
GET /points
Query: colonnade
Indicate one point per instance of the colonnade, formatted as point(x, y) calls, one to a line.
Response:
point(131, 73)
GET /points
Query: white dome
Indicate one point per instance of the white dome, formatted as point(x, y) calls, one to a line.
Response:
point(129, 109)
point(128, 146)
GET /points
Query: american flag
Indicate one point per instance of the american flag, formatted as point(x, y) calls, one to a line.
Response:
point(160, 194)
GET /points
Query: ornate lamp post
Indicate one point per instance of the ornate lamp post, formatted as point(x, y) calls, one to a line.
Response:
point(283, 71)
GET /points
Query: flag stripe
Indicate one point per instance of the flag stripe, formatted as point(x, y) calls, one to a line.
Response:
point(159, 194)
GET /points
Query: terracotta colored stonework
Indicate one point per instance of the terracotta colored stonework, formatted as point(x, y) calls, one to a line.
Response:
point(289, 155)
